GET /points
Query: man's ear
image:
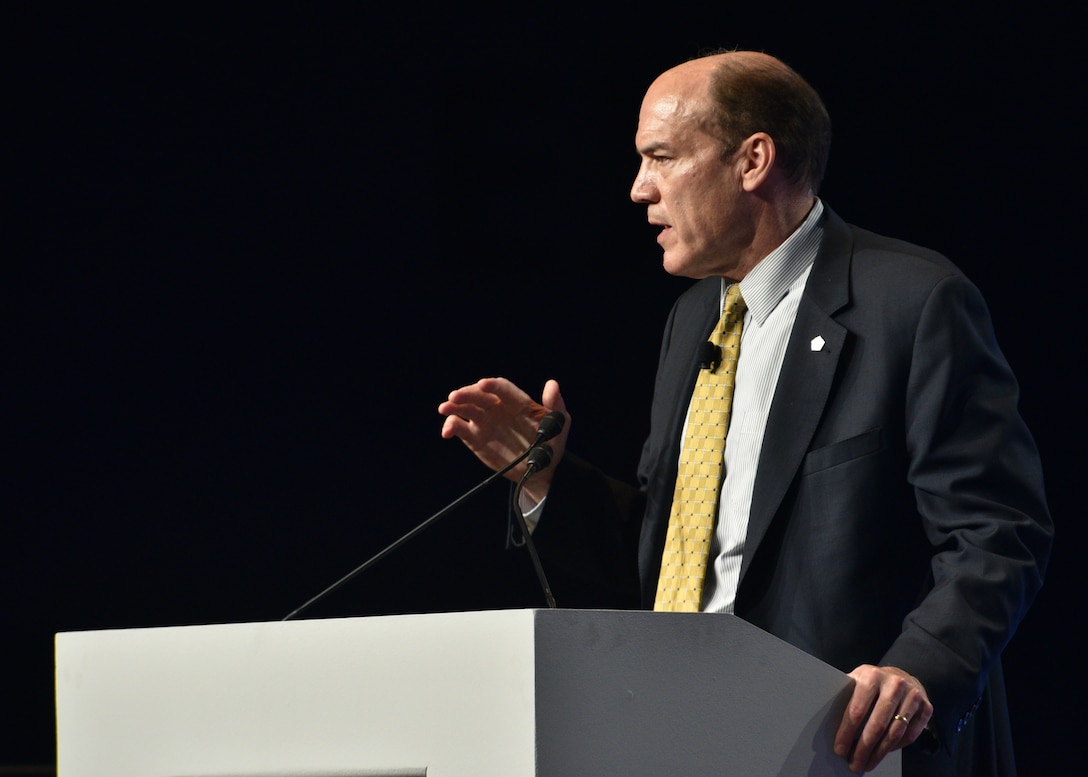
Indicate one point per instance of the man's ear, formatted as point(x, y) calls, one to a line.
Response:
point(756, 157)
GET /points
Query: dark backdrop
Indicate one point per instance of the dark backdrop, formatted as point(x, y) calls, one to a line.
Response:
point(252, 250)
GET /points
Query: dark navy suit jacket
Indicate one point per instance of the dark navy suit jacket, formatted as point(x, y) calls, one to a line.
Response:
point(898, 516)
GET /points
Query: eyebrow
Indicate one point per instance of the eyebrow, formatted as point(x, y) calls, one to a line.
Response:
point(649, 148)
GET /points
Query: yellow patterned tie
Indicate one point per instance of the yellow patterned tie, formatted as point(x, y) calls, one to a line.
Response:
point(698, 481)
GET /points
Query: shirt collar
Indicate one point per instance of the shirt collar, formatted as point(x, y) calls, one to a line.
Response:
point(771, 279)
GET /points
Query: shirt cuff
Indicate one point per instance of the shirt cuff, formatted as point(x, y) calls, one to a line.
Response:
point(531, 510)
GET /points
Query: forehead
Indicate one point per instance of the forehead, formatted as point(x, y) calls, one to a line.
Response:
point(671, 118)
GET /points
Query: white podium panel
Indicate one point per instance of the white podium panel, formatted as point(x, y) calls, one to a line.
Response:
point(556, 693)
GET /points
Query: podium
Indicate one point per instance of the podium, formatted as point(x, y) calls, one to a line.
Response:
point(552, 693)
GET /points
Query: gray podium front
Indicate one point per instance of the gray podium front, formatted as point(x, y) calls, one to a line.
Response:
point(555, 693)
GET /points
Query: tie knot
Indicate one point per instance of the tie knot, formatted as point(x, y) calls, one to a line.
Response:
point(734, 302)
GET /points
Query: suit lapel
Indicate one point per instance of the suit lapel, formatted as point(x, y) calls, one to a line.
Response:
point(804, 384)
point(683, 359)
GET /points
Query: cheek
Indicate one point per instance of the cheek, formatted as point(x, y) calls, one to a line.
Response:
point(701, 205)
point(714, 211)
point(698, 221)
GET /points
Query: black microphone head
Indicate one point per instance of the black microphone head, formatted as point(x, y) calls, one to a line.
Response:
point(710, 356)
point(550, 426)
point(540, 457)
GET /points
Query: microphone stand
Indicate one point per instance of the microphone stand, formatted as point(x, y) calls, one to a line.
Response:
point(540, 456)
point(549, 427)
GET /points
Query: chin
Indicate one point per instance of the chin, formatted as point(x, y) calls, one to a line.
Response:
point(681, 268)
point(676, 265)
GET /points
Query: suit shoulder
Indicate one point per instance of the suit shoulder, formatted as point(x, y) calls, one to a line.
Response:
point(899, 260)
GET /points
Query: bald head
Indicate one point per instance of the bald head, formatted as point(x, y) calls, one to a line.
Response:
point(735, 94)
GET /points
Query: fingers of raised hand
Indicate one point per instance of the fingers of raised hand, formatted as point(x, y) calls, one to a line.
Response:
point(473, 405)
point(493, 417)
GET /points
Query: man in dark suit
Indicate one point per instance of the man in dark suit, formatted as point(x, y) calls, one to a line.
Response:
point(881, 502)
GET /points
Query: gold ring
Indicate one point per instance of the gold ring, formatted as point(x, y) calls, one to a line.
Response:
point(903, 718)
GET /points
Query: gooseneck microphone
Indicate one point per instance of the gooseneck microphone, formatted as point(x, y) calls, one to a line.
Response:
point(548, 429)
point(550, 426)
point(539, 457)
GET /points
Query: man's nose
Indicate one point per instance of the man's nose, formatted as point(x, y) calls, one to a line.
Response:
point(643, 190)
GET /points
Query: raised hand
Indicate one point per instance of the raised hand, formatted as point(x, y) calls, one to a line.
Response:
point(497, 421)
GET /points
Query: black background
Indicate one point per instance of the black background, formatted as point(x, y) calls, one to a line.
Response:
point(252, 250)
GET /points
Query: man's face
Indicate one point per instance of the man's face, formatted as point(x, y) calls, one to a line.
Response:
point(693, 194)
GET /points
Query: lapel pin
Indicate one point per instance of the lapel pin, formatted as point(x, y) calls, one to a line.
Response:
point(817, 343)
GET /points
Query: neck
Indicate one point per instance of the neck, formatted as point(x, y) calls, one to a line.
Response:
point(773, 221)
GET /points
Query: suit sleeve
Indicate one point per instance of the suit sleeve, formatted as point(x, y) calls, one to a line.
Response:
point(588, 537)
point(592, 527)
point(978, 484)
